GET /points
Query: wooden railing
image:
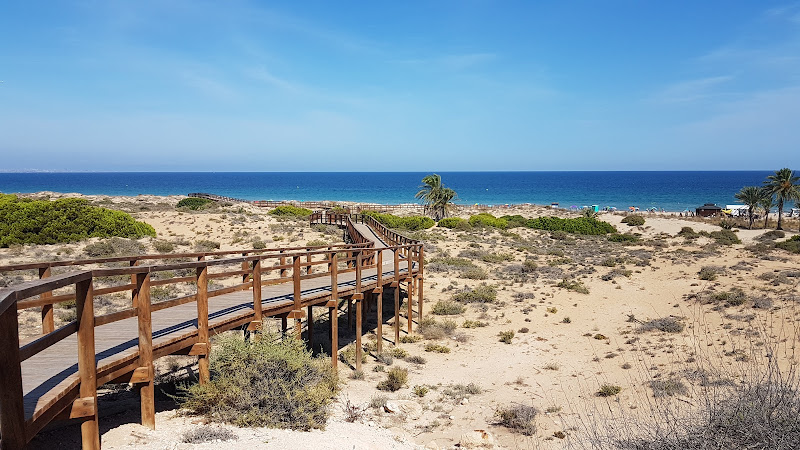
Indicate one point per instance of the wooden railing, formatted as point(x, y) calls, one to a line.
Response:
point(249, 269)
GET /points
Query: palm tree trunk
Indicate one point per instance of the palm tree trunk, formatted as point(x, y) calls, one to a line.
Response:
point(750, 216)
point(766, 218)
point(780, 214)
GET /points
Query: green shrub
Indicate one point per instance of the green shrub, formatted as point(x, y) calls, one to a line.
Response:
point(412, 223)
point(688, 233)
point(290, 211)
point(264, 382)
point(396, 378)
point(623, 237)
point(447, 308)
point(725, 237)
point(474, 324)
point(734, 297)
point(24, 221)
point(456, 223)
point(506, 336)
point(432, 329)
point(410, 338)
point(482, 293)
point(475, 273)
point(195, 204)
point(519, 418)
point(437, 348)
point(487, 220)
point(709, 273)
point(791, 245)
point(420, 391)
point(577, 225)
point(573, 285)
point(514, 221)
point(163, 246)
point(634, 220)
point(607, 390)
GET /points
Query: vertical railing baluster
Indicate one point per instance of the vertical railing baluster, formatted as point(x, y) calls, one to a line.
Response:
point(358, 297)
point(146, 387)
point(202, 324)
point(48, 321)
point(87, 370)
point(12, 405)
point(333, 309)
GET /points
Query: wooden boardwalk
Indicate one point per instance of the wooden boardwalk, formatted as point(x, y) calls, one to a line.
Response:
point(55, 376)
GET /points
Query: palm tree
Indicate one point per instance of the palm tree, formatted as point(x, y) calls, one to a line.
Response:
point(435, 196)
point(784, 185)
point(766, 203)
point(750, 196)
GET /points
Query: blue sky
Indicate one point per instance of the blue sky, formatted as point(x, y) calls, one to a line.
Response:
point(401, 86)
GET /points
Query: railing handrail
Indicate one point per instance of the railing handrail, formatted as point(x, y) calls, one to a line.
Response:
point(88, 261)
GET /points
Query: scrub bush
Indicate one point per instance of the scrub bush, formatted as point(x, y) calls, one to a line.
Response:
point(194, 204)
point(487, 220)
point(25, 221)
point(290, 211)
point(266, 382)
point(412, 223)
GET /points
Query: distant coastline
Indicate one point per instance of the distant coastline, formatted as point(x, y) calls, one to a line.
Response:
point(669, 190)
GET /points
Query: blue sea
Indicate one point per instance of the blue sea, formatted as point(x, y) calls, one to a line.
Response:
point(671, 191)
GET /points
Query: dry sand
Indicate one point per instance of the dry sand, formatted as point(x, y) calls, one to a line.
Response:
point(566, 343)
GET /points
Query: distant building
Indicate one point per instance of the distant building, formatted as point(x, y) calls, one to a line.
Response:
point(708, 210)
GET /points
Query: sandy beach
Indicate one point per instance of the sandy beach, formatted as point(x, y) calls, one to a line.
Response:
point(578, 306)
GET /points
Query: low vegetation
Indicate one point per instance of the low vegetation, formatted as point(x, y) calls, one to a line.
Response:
point(25, 221)
point(266, 381)
point(791, 245)
point(518, 418)
point(483, 293)
point(411, 223)
point(634, 220)
point(195, 204)
point(396, 378)
point(290, 211)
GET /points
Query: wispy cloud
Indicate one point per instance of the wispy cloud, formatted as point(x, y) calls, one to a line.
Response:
point(691, 90)
point(210, 87)
point(451, 62)
point(263, 75)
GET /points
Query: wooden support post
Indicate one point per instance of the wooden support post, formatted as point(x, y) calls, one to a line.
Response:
point(420, 278)
point(284, 324)
point(87, 370)
point(257, 310)
point(12, 406)
point(310, 321)
point(329, 258)
point(410, 301)
point(379, 300)
point(202, 323)
point(396, 285)
point(333, 310)
point(298, 326)
point(146, 389)
point(359, 297)
point(48, 322)
point(309, 258)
